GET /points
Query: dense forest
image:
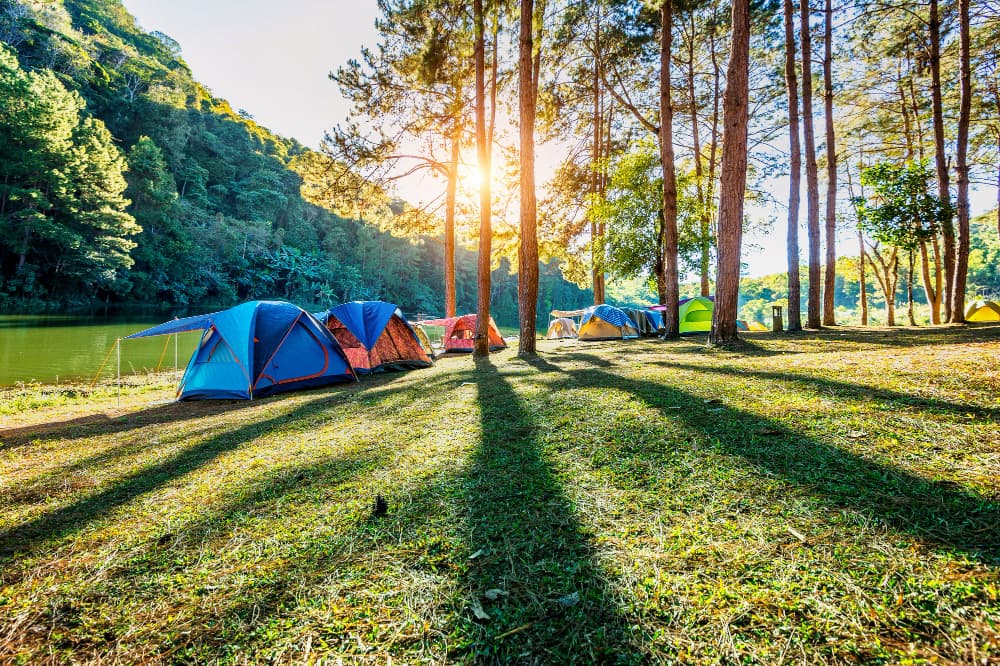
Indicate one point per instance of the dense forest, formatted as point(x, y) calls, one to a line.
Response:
point(125, 181)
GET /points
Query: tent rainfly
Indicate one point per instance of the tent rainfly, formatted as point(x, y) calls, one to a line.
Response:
point(375, 336)
point(606, 322)
point(695, 315)
point(257, 349)
point(983, 311)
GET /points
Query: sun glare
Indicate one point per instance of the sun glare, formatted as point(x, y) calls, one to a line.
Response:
point(471, 177)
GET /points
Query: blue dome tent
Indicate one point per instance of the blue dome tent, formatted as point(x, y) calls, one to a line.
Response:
point(256, 349)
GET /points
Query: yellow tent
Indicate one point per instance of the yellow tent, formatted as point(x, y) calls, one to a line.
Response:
point(757, 326)
point(983, 311)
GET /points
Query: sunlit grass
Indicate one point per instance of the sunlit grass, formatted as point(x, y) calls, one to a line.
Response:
point(829, 498)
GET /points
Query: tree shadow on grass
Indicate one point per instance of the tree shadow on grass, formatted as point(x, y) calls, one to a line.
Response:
point(945, 517)
point(855, 391)
point(558, 605)
point(59, 523)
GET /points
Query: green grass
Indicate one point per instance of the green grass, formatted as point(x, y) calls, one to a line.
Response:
point(824, 498)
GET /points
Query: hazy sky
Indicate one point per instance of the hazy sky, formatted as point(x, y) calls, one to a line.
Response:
point(272, 58)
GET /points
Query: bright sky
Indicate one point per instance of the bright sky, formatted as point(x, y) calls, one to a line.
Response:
point(273, 59)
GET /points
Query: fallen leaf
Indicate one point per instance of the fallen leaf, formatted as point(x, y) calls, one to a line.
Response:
point(477, 554)
point(857, 434)
point(494, 594)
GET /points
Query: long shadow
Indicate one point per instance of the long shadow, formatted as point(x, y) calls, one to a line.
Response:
point(957, 520)
point(97, 425)
point(59, 523)
point(857, 391)
point(557, 605)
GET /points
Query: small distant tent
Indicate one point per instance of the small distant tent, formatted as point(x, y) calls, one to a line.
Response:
point(561, 328)
point(257, 349)
point(695, 315)
point(983, 311)
point(742, 325)
point(375, 336)
point(757, 326)
point(460, 333)
point(606, 322)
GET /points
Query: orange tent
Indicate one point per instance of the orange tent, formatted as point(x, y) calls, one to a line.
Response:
point(460, 333)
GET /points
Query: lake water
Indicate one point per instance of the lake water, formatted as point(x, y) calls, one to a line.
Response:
point(62, 348)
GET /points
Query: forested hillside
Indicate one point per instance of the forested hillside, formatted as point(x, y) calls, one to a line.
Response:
point(126, 181)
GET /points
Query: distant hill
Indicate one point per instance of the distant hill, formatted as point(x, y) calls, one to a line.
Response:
point(215, 194)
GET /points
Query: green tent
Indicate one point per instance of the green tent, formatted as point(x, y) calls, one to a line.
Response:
point(696, 315)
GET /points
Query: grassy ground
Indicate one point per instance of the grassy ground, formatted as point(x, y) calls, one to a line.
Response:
point(818, 498)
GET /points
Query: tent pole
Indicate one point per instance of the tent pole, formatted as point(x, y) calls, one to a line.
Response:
point(118, 344)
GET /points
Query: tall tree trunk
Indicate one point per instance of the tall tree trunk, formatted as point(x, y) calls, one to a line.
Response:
point(795, 173)
point(527, 255)
point(596, 247)
point(962, 166)
point(714, 148)
point(449, 225)
point(671, 323)
point(940, 160)
point(704, 220)
point(830, 281)
point(732, 187)
point(861, 279)
point(812, 178)
point(482, 340)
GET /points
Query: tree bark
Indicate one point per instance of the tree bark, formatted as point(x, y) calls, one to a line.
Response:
point(861, 279)
point(449, 226)
point(596, 248)
point(527, 255)
point(732, 187)
point(962, 166)
point(830, 278)
point(933, 296)
point(671, 322)
point(909, 288)
point(812, 178)
point(940, 161)
point(704, 220)
point(482, 341)
point(795, 173)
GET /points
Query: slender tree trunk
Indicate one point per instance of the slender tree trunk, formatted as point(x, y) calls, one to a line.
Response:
point(670, 273)
point(704, 220)
point(527, 269)
point(449, 225)
point(812, 178)
point(940, 160)
point(962, 166)
point(861, 279)
point(713, 152)
point(909, 288)
point(732, 188)
point(830, 281)
point(795, 173)
point(932, 294)
point(597, 248)
point(661, 282)
point(482, 341)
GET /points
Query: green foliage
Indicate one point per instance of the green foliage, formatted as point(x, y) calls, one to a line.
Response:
point(63, 225)
point(900, 211)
